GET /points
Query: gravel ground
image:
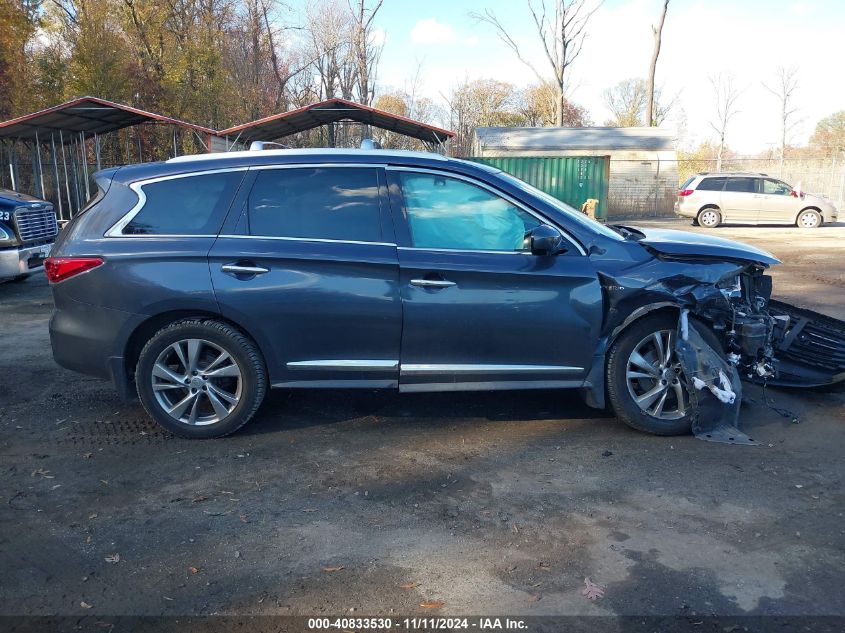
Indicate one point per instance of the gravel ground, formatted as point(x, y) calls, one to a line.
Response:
point(491, 503)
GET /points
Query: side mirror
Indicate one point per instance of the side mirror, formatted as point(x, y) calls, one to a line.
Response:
point(546, 240)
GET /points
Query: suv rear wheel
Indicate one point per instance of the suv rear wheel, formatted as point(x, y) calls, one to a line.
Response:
point(646, 385)
point(200, 379)
point(709, 217)
point(809, 219)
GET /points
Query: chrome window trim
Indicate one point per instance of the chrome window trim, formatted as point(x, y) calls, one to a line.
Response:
point(344, 365)
point(116, 229)
point(423, 369)
point(501, 194)
point(302, 239)
point(138, 187)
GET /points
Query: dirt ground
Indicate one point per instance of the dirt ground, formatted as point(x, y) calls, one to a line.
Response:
point(491, 503)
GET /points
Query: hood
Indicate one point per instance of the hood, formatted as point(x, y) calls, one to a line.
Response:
point(686, 244)
point(16, 198)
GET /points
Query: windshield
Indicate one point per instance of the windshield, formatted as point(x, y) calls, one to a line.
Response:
point(569, 212)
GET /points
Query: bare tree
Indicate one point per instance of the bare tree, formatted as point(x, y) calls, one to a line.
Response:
point(627, 100)
point(562, 29)
point(366, 51)
point(657, 31)
point(727, 94)
point(784, 89)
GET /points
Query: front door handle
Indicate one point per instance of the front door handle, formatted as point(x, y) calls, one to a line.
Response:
point(241, 269)
point(432, 283)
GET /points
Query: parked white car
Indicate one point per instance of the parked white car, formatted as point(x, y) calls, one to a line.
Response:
point(749, 198)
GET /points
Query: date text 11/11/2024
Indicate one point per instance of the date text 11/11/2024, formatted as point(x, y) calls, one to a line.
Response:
point(417, 624)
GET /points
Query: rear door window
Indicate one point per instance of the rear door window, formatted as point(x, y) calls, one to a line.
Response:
point(741, 185)
point(711, 184)
point(333, 203)
point(190, 205)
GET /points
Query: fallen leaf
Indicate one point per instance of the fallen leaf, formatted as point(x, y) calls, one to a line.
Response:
point(334, 569)
point(409, 585)
point(87, 455)
point(85, 605)
point(534, 597)
point(432, 604)
point(309, 509)
point(199, 499)
point(168, 598)
point(244, 518)
point(114, 558)
point(44, 473)
point(592, 590)
point(194, 570)
point(93, 516)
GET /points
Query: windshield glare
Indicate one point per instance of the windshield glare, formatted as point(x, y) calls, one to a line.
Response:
point(572, 214)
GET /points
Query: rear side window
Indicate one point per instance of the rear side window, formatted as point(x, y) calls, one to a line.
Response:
point(711, 184)
point(742, 185)
point(192, 205)
point(334, 203)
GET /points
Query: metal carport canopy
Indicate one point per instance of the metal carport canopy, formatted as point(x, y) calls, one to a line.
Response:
point(332, 111)
point(88, 115)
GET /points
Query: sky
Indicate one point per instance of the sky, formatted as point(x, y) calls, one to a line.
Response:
point(750, 38)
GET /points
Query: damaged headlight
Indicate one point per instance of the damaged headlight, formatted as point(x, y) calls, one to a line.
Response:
point(731, 288)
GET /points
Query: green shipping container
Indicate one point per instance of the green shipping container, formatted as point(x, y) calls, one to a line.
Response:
point(572, 179)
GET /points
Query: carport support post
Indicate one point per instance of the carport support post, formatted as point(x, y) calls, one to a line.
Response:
point(57, 189)
point(97, 149)
point(12, 165)
point(85, 166)
point(40, 166)
point(67, 181)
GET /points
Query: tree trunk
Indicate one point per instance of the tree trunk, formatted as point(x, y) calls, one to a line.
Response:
point(652, 69)
point(559, 107)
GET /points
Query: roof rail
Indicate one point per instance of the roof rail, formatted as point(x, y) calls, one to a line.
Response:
point(257, 146)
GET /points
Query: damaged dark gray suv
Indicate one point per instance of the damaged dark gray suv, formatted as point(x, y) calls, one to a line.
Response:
point(201, 282)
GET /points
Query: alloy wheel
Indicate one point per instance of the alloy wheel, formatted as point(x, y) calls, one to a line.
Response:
point(655, 379)
point(196, 382)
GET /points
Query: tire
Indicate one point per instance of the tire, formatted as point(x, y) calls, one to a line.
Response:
point(709, 217)
point(808, 219)
point(210, 404)
point(18, 279)
point(673, 420)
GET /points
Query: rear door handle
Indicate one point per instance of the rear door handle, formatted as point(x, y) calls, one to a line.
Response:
point(239, 269)
point(432, 283)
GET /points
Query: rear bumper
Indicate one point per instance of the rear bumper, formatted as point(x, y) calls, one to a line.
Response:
point(90, 340)
point(684, 211)
point(15, 262)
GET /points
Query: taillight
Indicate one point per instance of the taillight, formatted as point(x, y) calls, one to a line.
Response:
point(685, 192)
point(61, 268)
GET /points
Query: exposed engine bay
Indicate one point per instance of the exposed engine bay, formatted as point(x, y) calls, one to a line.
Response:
point(763, 341)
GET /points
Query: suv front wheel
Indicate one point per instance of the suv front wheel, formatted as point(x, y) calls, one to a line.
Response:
point(646, 384)
point(200, 379)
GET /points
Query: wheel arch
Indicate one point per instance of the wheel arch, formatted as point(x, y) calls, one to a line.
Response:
point(809, 207)
point(146, 329)
point(709, 205)
point(595, 387)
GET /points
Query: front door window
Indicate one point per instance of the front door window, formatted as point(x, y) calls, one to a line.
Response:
point(449, 213)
